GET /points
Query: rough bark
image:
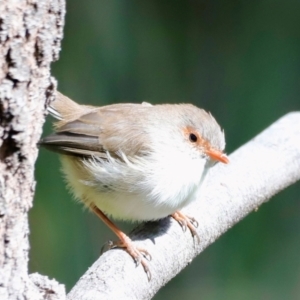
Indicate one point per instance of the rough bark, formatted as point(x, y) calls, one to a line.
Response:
point(258, 170)
point(30, 36)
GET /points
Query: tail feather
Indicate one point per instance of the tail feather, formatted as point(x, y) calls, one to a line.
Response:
point(66, 110)
point(54, 113)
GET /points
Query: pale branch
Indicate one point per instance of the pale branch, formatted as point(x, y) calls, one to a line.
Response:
point(258, 170)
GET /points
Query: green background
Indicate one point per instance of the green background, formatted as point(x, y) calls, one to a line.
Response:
point(238, 59)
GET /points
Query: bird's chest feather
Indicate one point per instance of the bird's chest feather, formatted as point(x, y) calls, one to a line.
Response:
point(138, 190)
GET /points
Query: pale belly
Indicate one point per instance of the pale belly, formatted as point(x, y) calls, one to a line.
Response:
point(136, 207)
point(158, 197)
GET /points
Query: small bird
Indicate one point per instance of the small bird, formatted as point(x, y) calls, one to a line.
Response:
point(135, 162)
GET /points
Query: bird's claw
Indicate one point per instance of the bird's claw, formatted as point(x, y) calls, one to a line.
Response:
point(139, 255)
point(187, 222)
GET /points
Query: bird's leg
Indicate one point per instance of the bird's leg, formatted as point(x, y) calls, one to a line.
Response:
point(138, 254)
point(186, 222)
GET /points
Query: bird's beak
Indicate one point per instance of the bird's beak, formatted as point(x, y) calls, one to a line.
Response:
point(217, 155)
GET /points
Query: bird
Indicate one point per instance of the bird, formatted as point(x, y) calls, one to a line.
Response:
point(135, 161)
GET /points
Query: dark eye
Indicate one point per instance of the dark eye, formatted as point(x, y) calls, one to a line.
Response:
point(193, 138)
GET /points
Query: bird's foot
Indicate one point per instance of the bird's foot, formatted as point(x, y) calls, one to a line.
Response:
point(139, 255)
point(186, 222)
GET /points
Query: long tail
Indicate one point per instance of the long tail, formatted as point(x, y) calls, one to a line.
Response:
point(66, 110)
point(62, 107)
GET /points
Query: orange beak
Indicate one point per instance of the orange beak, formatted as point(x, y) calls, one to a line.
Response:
point(217, 155)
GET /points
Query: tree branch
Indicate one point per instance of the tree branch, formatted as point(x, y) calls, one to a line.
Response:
point(257, 171)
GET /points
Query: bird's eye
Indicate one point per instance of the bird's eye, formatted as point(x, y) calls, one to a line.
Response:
point(193, 138)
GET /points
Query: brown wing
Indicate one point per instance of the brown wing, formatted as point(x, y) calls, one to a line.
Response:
point(110, 128)
point(69, 143)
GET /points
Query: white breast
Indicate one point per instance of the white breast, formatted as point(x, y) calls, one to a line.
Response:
point(137, 190)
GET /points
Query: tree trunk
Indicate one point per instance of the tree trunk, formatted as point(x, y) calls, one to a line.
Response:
point(30, 36)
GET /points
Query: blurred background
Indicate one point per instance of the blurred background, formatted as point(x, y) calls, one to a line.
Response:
point(238, 59)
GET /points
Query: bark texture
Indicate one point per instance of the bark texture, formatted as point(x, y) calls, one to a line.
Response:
point(261, 168)
point(30, 36)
